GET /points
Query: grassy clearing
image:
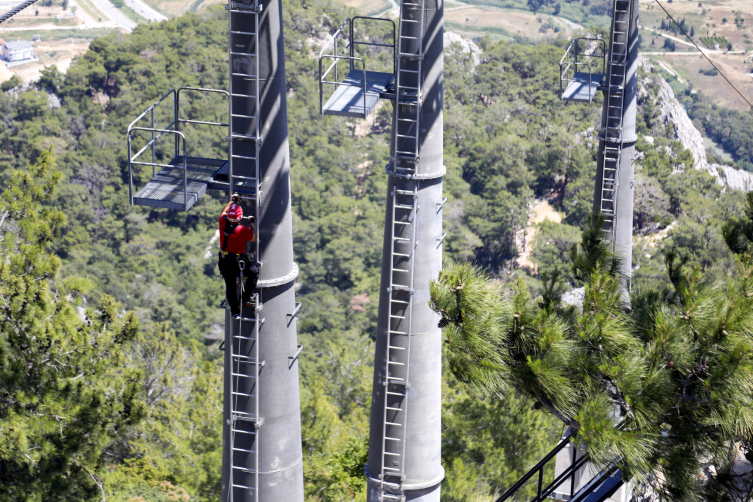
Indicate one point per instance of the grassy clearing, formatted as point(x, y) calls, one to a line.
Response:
point(476, 21)
point(729, 21)
point(57, 35)
point(689, 69)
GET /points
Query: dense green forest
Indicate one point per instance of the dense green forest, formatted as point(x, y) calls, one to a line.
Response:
point(508, 141)
point(732, 129)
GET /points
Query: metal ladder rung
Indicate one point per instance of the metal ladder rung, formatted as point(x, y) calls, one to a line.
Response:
point(244, 469)
point(243, 376)
point(399, 301)
point(396, 332)
point(402, 222)
point(244, 136)
point(243, 432)
point(395, 378)
point(242, 157)
point(406, 136)
point(239, 337)
point(400, 270)
point(395, 394)
point(243, 54)
point(390, 469)
point(241, 116)
point(394, 423)
point(245, 178)
point(400, 287)
point(243, 75)
point(241, 356)
point(407, 120)
point(396, 348)
point(243, 95)
point(242, 486)
point(401, 239)
point(236, 393)
point(393, 454)
point(392, 439)
point(401, 254)
point(396, 363)
point(391, 496)
point(403, 206)
point(242, 33)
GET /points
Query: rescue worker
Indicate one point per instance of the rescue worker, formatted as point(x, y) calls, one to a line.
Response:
point(233, 239)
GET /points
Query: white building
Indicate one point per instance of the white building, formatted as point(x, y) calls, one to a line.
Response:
point(17, 51)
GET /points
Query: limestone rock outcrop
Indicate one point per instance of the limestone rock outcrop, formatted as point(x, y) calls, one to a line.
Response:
point(671, 111)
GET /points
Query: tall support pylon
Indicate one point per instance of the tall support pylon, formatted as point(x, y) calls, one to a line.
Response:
point(613, 190)
point(405, 430)
point(262, 457)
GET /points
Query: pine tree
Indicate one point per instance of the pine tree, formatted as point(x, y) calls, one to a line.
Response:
point(664, 387)
point(692, 31)
point(63, 394)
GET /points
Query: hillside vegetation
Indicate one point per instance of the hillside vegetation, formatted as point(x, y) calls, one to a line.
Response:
point(508, 140)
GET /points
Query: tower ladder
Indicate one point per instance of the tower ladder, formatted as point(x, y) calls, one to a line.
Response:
point(244, 64)
point(408, 95)
point(618, 52)
point(397, 371)
point(245, 370)
point(244, 141)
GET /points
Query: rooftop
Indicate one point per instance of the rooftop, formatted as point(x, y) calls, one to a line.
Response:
point(19, 45)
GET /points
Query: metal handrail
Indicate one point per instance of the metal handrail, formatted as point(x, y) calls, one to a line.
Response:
point(131, 160)
point(568, 80)
point(570, 59)
point(171, 128)
point(353, 42)
point(350, 46)
point(542, 491)
point(322, 81)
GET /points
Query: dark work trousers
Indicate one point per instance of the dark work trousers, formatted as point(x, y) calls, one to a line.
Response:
point(231, 271)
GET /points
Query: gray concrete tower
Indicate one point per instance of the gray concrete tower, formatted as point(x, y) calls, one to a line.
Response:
point(405, 436)
point(613, 190)
point(262, 457)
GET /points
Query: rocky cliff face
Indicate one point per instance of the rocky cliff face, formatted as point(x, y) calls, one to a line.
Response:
point(690, 137)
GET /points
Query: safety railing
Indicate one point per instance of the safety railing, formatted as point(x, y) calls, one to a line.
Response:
point(173, 128)
point(349, 47)
point(544, 491)
point(569, 64)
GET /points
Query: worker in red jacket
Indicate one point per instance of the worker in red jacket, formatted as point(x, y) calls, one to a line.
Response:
point(233, 239)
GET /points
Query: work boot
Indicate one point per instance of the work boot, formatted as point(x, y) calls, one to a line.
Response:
point(236, 316)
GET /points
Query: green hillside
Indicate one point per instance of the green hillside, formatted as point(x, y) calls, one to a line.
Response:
point(508, 141)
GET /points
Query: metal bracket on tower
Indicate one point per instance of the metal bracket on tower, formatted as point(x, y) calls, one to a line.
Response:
point(244, 7)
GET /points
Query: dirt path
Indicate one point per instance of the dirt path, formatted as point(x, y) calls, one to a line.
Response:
point(541, 212)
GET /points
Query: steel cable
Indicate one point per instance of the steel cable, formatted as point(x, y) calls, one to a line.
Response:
point(15, 10)
point(703, 54)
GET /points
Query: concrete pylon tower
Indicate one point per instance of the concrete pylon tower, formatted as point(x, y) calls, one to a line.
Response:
point(262, 457)
point(405, 437)
point(613, 190)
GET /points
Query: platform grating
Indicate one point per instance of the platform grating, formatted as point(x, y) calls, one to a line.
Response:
point(166, 188)
point(348, 100)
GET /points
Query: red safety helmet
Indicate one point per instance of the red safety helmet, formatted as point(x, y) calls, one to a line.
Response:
point(235, 213)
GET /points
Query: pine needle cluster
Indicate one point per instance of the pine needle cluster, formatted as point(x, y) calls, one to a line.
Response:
point(666, 388)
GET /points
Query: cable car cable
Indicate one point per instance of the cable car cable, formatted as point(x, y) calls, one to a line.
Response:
point(15, 10)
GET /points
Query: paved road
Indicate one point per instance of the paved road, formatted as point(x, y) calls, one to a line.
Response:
point(115, 14)
point(146, 11)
